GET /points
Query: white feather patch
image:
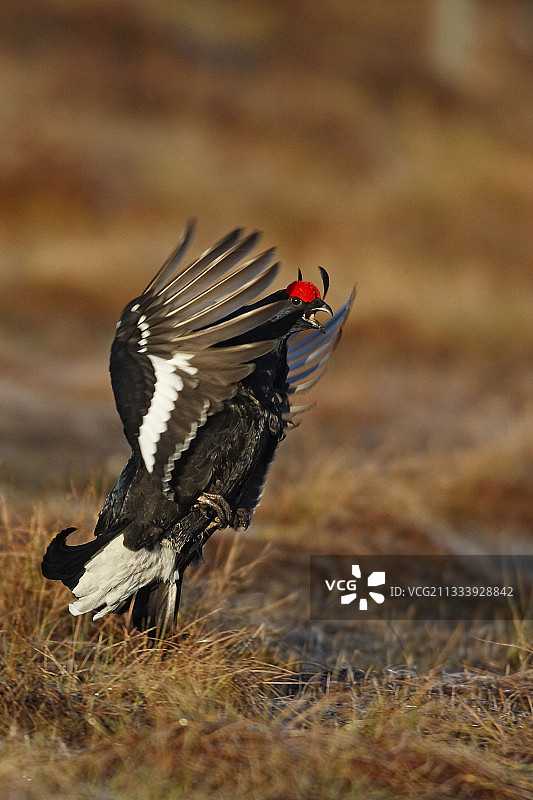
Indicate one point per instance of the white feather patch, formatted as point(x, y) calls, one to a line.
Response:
point(116, 572)
point(168, 385)
point(167, 475)
point(144, 329)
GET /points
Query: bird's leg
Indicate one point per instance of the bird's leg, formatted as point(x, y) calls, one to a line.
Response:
point(207, 501)
point(190, 532)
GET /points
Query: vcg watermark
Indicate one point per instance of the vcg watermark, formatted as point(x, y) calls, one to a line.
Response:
point(350, 586)
point(421, 587)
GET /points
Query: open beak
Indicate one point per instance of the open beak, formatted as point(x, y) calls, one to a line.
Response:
point(311, 318)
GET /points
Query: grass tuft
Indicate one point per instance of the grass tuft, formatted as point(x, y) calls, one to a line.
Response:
point(236, 708)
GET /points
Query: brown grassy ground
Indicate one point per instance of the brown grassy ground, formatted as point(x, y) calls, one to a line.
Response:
point(337, 130)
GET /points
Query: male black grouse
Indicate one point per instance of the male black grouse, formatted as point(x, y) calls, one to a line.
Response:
point(203, 379)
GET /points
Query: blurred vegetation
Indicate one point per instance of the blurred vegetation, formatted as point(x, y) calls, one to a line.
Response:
point(393, 144)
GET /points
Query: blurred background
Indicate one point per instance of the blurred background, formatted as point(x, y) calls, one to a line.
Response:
point(391, 143)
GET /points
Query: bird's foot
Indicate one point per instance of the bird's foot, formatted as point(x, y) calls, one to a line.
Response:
point(241, 519)
point(207, 503)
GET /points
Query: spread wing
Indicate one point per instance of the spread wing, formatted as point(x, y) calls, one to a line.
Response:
point(307, 357)
point(167, 373)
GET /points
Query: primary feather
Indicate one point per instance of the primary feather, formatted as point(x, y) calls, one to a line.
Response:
point(203, 374)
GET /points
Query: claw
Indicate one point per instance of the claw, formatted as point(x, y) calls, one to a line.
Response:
point(208, 500)
point(242, 519)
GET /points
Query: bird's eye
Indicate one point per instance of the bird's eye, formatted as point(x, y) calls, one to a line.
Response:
point(296, 300)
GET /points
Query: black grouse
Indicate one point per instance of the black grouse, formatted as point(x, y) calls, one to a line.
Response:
point(203, 376)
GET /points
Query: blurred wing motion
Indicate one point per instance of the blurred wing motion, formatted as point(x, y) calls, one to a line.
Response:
point(307, 358)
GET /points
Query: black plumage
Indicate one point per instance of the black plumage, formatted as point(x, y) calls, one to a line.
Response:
point(204, 375)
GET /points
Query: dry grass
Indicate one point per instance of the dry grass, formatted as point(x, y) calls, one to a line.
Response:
point(92, 710)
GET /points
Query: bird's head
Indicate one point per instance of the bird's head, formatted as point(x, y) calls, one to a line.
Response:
point(300, 302)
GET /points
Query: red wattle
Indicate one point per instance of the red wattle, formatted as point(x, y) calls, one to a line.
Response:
point(305, 290)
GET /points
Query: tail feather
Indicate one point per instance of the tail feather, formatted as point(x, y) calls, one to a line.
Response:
point(103, 573)
point(66, 563)
point(157, 606)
